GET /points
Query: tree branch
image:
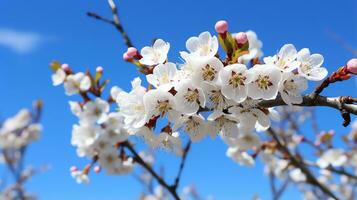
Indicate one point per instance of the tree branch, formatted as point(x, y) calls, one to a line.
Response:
point(115, 22)
point(160, 180)
point(182, 164)
point(294, 161)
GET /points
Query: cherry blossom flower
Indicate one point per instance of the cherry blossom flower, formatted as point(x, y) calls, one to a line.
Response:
point(207, 72)
point(310, 65)
point(80, 177)
point(194, 125)
point(58, 77)
point(234, 79)
point(163, 76)
point(159, 102)
point(170, 142)
point(291, 87)
point(188, 98)
point(333, 157)
point(84, 136)
point(76, 83)
point(95, 111)
point(224, 124)
point(297, 175)
point(250, 116)
point(265, 82)
point(157, 54)
point(285, 60)
point(202, 47)
point(131, 105)
point(241, 157)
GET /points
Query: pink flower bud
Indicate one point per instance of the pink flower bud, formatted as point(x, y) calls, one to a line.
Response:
point(73, 169)
point(352, 66)
point(132, 51)
point(221, 26)
point(99, 69)
point(97, 169)
point(126, 57)
point(241, 38)
point(65, 67)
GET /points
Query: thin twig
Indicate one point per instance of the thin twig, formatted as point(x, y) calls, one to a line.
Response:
point(160, 180)
point(294, 161)
point(182, 164)
point(115, 22)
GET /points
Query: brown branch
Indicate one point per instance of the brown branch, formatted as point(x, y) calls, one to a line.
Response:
point(182, 164)
point(344, 104)
point(295, 162)
point(160, 180)
point(115, 22)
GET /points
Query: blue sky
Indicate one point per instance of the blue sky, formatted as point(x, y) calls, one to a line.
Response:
point(61, 30)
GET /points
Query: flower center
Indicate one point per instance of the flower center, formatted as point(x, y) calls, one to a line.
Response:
point(216, 97)
point(191, 96)
point(164, 79)
point(192, 125)
point(263, 82)
point(163, 106)
point(208, 73)
point(236, 79)
point(290, 85)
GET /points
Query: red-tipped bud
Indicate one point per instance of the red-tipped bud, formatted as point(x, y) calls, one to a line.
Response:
point(73, 169)
point(352, 66)
point(97, 169)
point(221, 26)
point(241, 38)
point(132, 51)
point(126, 57)
point(66, 68)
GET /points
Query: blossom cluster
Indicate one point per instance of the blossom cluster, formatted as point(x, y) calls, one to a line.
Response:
point(16, 134)
point(19, 131)
point(206, 95)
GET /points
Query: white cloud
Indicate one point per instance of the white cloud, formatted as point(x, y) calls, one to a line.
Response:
point(19, 42)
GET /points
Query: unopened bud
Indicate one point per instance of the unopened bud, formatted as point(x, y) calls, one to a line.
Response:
point(241, 38)
point(131, 52)
point(99, 69)
point(126, 57)
point(352, 66)
point(97, 169)
point(221, 26)
point(73, 169)
point(65, 67)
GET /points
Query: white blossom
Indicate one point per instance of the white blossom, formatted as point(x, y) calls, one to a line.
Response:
point(285, 60)
point(158, 103)
point(202, 47)
point(291, 87)
point(333, 157)
point(76, 83)
point(95, 111)
point(163, 76)
point(234, 79)
point(170, 142)
point(194, 125)
point(265, 82)
point(58, 77)
point(80, 177)
point(157, 54)
point(241, 157)
point(310, 65)
point(131, 106)
point(188, 98)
